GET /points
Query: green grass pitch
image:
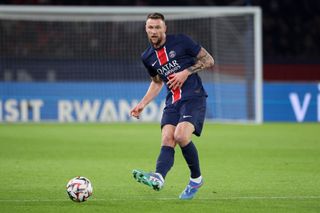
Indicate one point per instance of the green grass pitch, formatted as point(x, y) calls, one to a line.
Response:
point(246, 168)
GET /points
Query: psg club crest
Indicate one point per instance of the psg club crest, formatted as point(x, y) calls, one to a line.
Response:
point(172, 54)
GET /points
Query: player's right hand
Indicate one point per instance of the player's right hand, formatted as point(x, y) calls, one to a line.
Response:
point(136, 111)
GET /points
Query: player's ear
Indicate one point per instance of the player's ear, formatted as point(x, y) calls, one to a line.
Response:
point(145, 27)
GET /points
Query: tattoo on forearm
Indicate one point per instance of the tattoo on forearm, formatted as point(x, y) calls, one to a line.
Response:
point(197, 67)
point(204, 61)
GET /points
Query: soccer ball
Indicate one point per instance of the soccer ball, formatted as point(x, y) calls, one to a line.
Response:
point(79, 189)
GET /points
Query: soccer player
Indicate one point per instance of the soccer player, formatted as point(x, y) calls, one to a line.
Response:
point(174, 60)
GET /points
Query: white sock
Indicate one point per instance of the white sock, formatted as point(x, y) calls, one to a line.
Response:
point(196, 180)
point(161, 178)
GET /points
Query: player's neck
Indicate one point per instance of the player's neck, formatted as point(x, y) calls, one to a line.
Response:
point(157, 46)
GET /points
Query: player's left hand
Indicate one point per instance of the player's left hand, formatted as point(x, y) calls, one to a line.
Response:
point(176, 80)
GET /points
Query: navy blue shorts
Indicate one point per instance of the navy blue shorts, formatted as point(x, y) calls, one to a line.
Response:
point(192, 110)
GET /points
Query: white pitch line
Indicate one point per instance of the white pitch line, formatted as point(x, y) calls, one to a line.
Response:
point(252, 198)
point(172, 198)
point(226, 198)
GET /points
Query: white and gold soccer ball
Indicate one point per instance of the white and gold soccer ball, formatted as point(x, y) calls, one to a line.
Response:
point(79, 189)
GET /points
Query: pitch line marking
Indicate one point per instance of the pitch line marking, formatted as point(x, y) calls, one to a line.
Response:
point(171, 198)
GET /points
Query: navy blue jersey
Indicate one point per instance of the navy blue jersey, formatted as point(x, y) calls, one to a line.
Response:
point(178, 53)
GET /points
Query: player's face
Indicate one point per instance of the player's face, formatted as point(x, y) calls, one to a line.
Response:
point(156, 31)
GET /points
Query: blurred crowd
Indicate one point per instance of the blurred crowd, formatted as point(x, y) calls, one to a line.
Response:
point(291, 29)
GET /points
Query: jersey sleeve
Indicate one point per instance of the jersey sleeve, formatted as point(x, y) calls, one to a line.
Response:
point(151, 71)
point(192, 47)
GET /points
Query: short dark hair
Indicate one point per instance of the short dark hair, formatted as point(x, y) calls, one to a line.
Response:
point(156, 16)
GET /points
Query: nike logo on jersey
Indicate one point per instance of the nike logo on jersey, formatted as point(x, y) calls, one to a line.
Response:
point(154, 63)
point(187, 116)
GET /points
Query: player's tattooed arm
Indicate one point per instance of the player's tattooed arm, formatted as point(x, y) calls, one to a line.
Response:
point(204, 61)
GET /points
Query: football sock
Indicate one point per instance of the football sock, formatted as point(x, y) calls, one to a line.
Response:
point(190, 154)
point(160, 176)
point(165, 160)
point(196, 180)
